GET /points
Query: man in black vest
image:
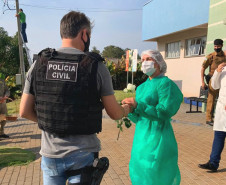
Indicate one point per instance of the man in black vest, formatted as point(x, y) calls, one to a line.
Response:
point(65, 92)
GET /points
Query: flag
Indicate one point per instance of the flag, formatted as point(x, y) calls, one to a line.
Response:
point(127, 60)
point(130, 59)
point(134, 60)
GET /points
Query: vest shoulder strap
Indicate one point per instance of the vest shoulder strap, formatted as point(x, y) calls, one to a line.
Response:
point(67, 56)
point(45, 55)
point(50, 53)
point(47, 52)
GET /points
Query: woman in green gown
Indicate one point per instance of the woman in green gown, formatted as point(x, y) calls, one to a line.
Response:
point(154, 156)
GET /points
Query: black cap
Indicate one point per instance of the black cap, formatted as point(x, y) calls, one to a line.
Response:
point(218, 42)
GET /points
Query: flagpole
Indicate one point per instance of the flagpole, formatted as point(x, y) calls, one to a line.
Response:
point(127, 78)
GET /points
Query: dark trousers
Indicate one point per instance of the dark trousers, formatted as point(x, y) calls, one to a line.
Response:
point(23, 32)
point(217, 148)
point(2, 125)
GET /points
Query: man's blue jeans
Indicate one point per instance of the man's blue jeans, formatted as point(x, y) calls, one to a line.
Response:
point(217, 148)
point(23, 32)
point(54, 168)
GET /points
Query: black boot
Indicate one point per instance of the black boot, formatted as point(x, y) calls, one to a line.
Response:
point(4, 136)
point(208, 166)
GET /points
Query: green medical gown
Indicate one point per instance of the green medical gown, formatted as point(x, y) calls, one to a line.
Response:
point(154, 156)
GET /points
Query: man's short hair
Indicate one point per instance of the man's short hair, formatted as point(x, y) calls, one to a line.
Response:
point(218, 42)
point(21, 10)
point(72, 23)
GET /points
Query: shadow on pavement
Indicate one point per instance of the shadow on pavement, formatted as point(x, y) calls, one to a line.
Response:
point(18, 125)
point(21, 135)
point(10, 142)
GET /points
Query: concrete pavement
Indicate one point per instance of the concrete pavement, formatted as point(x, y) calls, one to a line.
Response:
point(194, 139)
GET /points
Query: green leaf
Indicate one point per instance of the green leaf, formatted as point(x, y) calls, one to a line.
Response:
point(122, 121)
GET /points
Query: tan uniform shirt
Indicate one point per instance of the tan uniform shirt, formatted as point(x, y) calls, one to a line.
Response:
point(213, 60)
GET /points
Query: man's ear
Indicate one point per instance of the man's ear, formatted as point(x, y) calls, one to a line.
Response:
point(84, 35)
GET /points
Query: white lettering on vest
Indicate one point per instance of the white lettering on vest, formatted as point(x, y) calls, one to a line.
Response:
point(73, 68)
point(54, 74)
point(66, 68)
point(63, 71)
point(50, 66)
point(60, 75)
point(55, 67)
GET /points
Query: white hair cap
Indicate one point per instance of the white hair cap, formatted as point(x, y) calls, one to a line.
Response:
point(158, 58)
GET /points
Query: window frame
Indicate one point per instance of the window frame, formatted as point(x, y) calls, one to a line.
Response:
point(201, 49)
point(173, 50)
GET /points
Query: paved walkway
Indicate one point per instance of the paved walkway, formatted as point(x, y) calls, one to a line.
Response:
point(194, 142)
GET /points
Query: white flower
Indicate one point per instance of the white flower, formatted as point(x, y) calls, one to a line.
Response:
point(131, 87)
point(125, 90)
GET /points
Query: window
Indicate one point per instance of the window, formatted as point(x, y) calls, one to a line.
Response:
point(173, 50)
point(196, 46)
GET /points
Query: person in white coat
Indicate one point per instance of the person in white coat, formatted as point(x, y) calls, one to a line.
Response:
point(218, 82)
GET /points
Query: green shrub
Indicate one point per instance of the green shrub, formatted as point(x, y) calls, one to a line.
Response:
point(15, 91)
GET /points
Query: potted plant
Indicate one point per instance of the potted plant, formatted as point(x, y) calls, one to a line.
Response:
point(12, 104)
point(11, 118)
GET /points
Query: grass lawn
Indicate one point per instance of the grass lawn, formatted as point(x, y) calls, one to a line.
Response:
point(10, 156)
point(13, 107)
point(120, 95)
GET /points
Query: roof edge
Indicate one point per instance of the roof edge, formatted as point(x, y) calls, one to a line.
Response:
point(155, 39)
point(147, 2)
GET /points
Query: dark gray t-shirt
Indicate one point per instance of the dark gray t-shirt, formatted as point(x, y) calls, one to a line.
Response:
point(55, 147)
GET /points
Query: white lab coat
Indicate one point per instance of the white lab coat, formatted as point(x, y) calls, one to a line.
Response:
point(218, 81)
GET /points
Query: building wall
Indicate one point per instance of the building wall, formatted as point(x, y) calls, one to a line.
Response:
point(216, 23)
point(185, 71)
point(162, 17)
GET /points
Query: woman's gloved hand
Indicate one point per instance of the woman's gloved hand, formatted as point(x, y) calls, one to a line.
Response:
point(130, 101)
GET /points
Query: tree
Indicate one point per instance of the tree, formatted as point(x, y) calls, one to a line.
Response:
point(113, 52)
point(10, 61)
point(95, 50)
point(4, 46)
point(9, 54)
point(127, 49)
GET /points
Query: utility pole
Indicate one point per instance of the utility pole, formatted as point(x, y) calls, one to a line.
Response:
point(22, 68)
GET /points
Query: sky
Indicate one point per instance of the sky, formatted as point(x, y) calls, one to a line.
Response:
point(116, 22)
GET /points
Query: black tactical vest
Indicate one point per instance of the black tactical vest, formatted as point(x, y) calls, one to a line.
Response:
point(66, 96)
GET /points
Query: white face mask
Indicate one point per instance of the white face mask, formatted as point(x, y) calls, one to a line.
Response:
point(148, 67)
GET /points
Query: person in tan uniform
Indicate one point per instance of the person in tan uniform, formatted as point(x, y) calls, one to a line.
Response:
point(212, 61)
point(4, 94)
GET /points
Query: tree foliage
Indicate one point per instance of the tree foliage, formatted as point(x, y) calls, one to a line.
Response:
point(113, 52)
point(9, 54)
point(95, 50)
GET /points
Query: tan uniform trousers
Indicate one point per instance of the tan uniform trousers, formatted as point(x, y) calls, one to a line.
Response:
point(212, 94)
point(3, 111)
